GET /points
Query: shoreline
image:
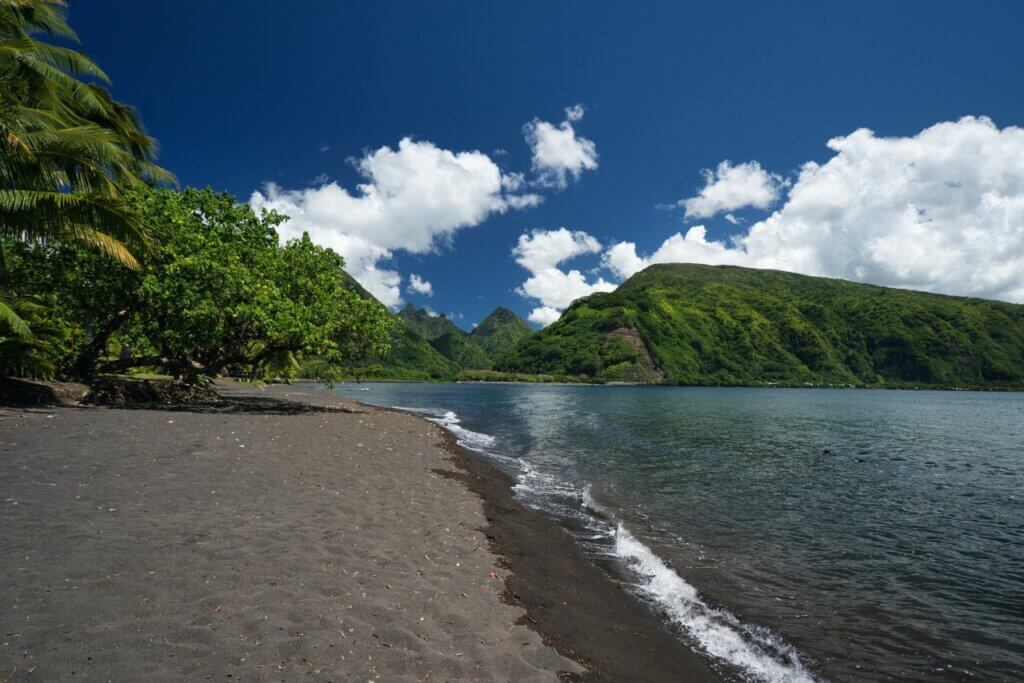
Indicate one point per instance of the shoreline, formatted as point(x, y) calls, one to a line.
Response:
point(860, 387)
point(715, 647)
point(579, 609)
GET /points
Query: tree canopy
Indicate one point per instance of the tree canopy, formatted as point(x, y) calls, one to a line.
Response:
point(215, 291)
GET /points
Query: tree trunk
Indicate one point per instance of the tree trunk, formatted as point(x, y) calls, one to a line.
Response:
point(88, 357)
point(4, 276)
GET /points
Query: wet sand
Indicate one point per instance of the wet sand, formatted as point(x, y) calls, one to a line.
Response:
point(269, 537)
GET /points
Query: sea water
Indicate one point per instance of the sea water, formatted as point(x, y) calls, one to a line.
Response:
point(788, 534)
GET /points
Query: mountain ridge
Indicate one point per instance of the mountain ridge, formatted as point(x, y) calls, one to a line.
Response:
point(499, 332)
point(428, 325)
point(430, 346)
point(696, 324)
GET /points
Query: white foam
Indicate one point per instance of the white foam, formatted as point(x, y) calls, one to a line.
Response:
point(536, 482)
point(476, 441)
point(591, 503)
point(717, 632)
point(757, 652)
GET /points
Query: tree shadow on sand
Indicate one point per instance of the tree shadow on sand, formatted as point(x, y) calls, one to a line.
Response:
point(238, 405)
point(154, 395)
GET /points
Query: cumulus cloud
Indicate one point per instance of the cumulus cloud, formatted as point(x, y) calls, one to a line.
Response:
point(694, 247)
point(420, 286)
point(414, 198)
point(939, 211)
point(729, 188)
point(544, 315)
point(540, 252)
point(558, 152)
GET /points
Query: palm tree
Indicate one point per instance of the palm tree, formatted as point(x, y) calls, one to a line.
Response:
point(23, 352)
point(69, 152)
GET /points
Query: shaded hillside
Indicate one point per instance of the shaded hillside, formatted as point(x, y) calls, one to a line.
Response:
point(445, 337)
point(427, 325)
point(411, 357)
point(499, 332)
point(456, 347)
point(693, 324)
point(354, 285)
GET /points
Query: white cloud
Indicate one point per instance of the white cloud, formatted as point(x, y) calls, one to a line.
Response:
point(575, 112)
point(940, 211)
point(558, 152)
point(729, 187)
point(414, 198)
point(540, 252)
point(420, 286)
point(623, 260)
point(544, 315)
point(547, 248)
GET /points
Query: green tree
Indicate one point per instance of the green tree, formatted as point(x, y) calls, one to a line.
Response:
point(328, 319)
point(215, 291)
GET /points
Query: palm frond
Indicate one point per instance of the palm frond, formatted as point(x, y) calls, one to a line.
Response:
point(46, 16)
point(69, 61)
point(10, 318)
point(72, 151)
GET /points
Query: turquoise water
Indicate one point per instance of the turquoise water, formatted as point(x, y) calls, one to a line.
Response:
point(789, 534)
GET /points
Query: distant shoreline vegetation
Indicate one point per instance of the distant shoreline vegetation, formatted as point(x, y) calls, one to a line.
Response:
point(513, 378)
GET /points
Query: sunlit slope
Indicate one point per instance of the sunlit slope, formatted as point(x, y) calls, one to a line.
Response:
point(694, 324)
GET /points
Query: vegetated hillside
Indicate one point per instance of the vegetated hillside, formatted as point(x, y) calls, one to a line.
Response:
point(423, 346)
point(446, 338)
point(499, 332)
point(457, 347)
point(411, 355)
point(694, 324)
point(354, 285)
point(495, 335)
point(427, 325)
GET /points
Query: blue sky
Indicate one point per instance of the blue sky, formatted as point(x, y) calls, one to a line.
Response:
point(240, 94)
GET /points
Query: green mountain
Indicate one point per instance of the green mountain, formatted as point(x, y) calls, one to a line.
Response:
point(499, 332)
point(411, 355)
point(457, 347)
point(693, 324)
point(446, 338)
point(427, 325)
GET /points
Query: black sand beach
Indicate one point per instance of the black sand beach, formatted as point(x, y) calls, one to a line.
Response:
point(271, 537)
